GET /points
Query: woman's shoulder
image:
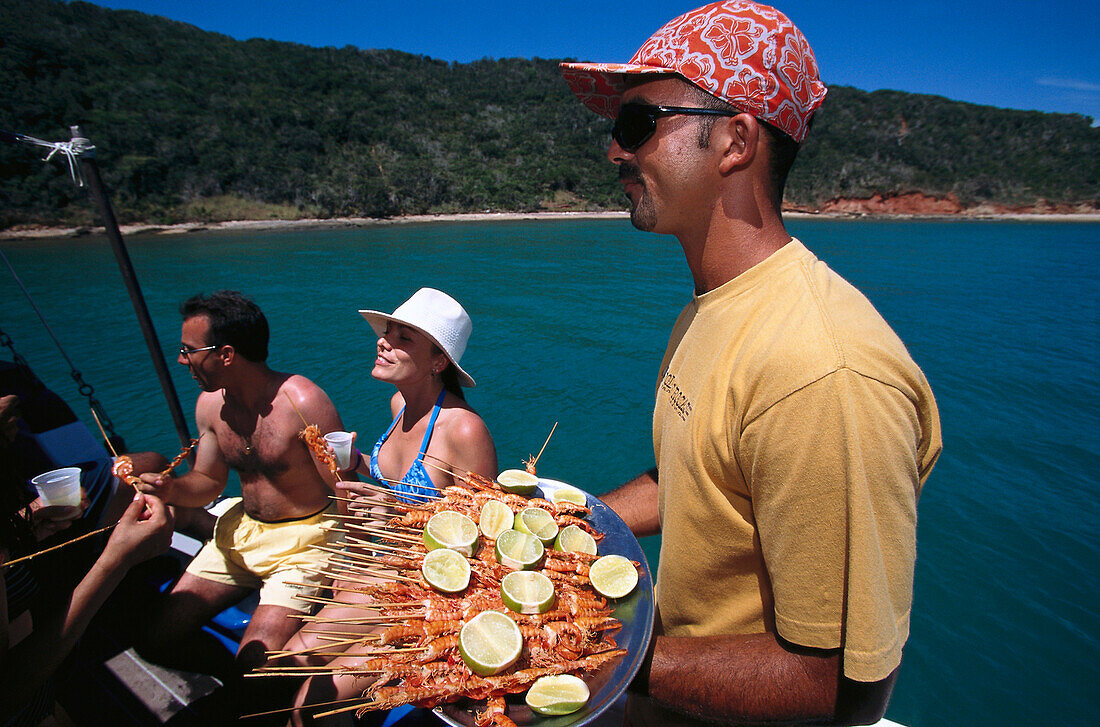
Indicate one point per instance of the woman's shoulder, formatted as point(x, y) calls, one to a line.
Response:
point(463, 424)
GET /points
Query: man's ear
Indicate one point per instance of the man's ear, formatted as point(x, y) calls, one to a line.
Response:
point(227, 354)
point(737, 137)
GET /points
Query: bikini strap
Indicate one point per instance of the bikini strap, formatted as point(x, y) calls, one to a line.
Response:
point(393, 423)
point(431, 426)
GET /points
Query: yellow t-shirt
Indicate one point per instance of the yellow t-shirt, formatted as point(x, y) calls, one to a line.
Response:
point(793, 433)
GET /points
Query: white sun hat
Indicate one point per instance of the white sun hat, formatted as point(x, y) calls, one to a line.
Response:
point(439, 317)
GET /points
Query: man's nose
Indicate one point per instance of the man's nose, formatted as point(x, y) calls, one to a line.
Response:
point(616, 154)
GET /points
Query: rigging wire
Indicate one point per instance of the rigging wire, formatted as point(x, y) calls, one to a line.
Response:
point(85, 389)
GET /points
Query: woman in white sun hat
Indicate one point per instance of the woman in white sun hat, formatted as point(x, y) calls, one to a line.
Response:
point(419, 348)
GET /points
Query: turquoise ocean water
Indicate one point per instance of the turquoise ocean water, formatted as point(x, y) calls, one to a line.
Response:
point(570, 320)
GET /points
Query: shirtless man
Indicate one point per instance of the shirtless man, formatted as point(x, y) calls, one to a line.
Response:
point(249, 418)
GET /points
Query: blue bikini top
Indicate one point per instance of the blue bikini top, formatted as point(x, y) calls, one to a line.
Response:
point(420, 484)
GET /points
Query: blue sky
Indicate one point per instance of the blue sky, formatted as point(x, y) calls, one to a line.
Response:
point(1012, 53)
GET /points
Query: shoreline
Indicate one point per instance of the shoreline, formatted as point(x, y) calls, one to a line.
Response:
point(36, 232)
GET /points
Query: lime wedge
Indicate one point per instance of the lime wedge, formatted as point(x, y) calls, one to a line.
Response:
point(450, 529)
point(557, 694)
point(537, 522)
point(526, 591)
point(574, 539)
point(568, 494)
point(496, 517)
point(613, 576)
point(519, 551)
point(446, 571)
point(519, 482)
point(490, 642)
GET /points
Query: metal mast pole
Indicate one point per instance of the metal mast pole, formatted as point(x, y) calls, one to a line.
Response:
point(86, 153)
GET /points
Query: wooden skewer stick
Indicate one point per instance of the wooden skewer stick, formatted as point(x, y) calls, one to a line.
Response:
point(449, 469)
point(347, 561)
point(536, 459)
point(372, 545)
point(376, 620)
point(359, 700)
point(412, 484)
point(460, 480)
point(104, 433)
point(360, 558)
point(394, 494)
point(341, 710)
point(349, 574)
point(380, 532)
point(320, 671)
point(372, 500)
point(334, 635)
point(304, 422)
point(61, 545)
point(368, 652)
point(364, 518)
point(337, 498)
point(305, 668)
point(368, 621)
point(337, 553)
point(312, 649)
point(404, 531)
point(334, 602)
point(373, 488)
point(387, 533)
point(391, 533)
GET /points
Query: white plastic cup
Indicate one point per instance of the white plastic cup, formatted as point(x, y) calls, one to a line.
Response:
point(59, 487)
point(341, 446)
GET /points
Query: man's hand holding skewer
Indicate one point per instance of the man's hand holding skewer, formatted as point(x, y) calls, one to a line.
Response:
point(157, 484)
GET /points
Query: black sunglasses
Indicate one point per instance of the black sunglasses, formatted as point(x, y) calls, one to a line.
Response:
point(636, 122)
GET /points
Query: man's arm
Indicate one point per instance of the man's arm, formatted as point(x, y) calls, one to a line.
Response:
point(636, 503)
point(207, 478)
point(313, 404)
point(758, 678)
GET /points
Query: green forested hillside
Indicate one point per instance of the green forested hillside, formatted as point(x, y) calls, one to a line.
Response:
point(191, 125)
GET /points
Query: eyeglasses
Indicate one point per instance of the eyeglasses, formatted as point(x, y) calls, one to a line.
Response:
point(188, 351)
point(637, 122)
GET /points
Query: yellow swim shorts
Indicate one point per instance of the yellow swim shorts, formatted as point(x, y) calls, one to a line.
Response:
point(269, 556)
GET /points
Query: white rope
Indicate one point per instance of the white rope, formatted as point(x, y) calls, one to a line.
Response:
point(71, 150)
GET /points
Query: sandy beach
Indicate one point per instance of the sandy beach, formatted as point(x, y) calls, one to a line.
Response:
point(29, 232)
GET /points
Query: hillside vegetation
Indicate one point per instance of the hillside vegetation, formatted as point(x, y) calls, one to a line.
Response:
point(192, 125)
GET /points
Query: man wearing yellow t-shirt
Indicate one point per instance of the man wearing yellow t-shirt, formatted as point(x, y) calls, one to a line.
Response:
point(792, 431)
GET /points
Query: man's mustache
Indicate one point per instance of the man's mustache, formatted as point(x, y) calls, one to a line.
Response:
point(629, 173)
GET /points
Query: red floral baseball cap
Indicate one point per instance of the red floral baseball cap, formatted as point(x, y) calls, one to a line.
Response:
point(747, 54)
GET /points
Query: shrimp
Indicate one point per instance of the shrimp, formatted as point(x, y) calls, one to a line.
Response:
point(313, 438)
point(494, 714)
point(123, 469)
point(563, 520)
point(411, 519)
point(419, 630)
point(180, 457)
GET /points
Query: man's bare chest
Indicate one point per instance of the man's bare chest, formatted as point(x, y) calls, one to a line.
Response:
point(268, 446)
